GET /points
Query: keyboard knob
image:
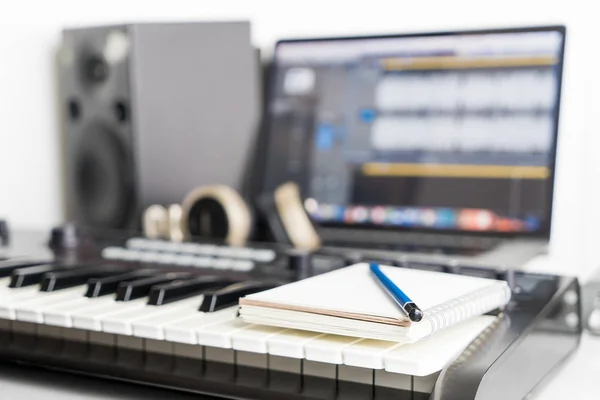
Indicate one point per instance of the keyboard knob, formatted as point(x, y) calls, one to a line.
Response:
point(4, 233)
point(64, 237)
point(300, 263)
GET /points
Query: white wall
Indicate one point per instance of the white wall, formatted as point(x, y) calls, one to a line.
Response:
point(30, 191)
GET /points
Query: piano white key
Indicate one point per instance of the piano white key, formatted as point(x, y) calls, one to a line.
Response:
point(328, 348)
point(253, 338)
point(129, 342)
point(392, 380)
point(183, 331)
point(4, 282)
point(32, 309)
point(19, 327)
point(9, 298)
point(285, 364)
point(319, 369)
point(61, 314)
point(122, 322)
point(425, 384)
point(291, 343)
point(158, 346)
point(5, 325)
point(101, 338)
point(355, 374)
point(368, 353)
point(91, 318)
point(219, 355)
point(186, 330)
point(219, 333)
point(19, 297)
point(50, 331)
point(153, 326)
point(76, 335)
point(432, 354)
point(250, 359)
point(188, 350)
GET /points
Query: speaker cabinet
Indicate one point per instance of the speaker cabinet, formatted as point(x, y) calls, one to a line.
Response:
point(151, 111)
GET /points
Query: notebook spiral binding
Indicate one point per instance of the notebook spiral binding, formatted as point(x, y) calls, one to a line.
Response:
point(457, 310)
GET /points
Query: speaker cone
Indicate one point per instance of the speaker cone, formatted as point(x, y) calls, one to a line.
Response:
point(102, 179)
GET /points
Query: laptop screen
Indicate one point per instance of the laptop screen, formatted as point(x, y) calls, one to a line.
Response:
point(452, 132)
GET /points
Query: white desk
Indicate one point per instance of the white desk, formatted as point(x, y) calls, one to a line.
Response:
point(579, 378)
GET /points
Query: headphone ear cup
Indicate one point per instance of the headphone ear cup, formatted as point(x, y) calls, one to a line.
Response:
point(155, 222)
point(287, 219)
point(216, 212)
point(174, 223)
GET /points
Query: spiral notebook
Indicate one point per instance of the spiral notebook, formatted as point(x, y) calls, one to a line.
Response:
point(350, 302)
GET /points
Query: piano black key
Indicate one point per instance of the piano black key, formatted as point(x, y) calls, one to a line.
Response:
point(65, 279)
point(182, 289)
point(141, 287)
point(102, 286)
point(28, 276)
point(9, 265)
point(230, 295)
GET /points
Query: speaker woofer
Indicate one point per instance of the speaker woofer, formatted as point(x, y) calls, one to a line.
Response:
point(102, 179)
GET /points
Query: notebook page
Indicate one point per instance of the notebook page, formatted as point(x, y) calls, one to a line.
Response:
point(354, 290)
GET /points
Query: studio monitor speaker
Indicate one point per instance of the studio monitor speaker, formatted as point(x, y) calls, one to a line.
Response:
point(151, 111)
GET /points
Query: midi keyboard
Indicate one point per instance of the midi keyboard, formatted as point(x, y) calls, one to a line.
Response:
point(164, 313)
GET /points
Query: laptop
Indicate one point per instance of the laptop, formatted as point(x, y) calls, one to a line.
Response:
point(436, 146)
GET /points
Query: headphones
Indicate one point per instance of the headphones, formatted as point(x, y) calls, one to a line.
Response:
point(220, 212)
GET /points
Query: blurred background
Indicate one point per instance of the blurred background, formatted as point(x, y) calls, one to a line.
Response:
point(31, 192)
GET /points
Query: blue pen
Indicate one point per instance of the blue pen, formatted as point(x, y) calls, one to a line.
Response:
point(406, 304)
